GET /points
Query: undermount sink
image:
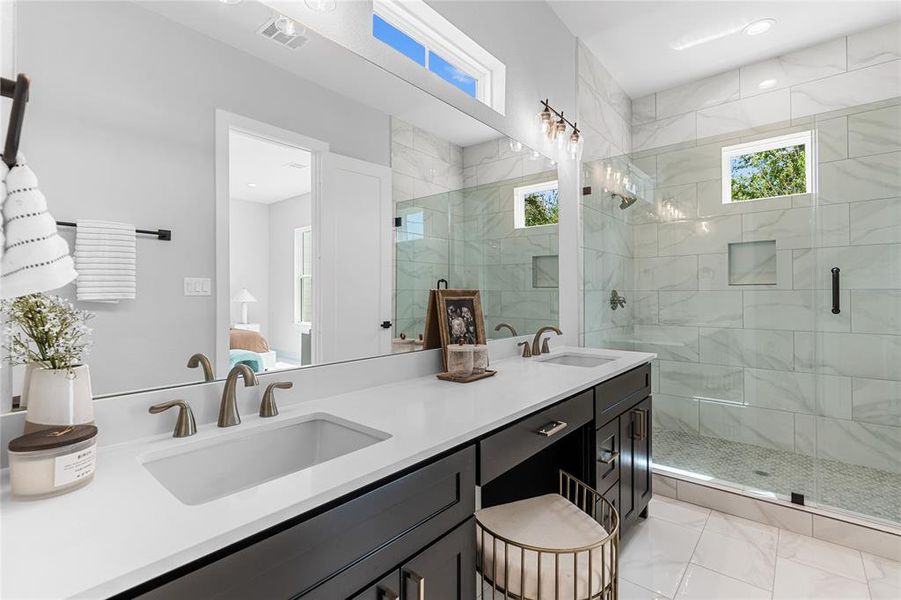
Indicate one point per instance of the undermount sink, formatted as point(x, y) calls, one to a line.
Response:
point(577, 360)
point(219, 468)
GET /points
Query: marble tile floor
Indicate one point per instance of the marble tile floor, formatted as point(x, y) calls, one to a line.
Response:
point(858, 490)
point(684, 551)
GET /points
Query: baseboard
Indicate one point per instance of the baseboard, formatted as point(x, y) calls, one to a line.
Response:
point(871, 537)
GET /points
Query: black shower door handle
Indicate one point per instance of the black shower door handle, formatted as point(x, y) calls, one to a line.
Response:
point(836, 290)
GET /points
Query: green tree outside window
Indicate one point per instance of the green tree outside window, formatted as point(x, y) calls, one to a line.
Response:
point(542, 208)
point(777, 172)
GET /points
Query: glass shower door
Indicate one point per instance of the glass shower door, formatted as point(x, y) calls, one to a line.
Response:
point(855, 350)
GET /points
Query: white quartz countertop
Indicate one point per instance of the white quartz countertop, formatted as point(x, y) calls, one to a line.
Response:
point(126, 528)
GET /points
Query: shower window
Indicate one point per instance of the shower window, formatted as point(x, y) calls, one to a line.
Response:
point(535, 205)
point(770, 168)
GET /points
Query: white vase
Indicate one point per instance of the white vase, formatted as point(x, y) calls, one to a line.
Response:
point(59, 397)
point(26, 382)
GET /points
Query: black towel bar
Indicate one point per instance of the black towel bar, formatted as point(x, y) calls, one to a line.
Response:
point(161, 234)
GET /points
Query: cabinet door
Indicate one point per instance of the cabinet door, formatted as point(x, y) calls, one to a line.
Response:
point(607, 455)
point(386, 589)
point(627, 428)
point(641, 456)
point(445, 570)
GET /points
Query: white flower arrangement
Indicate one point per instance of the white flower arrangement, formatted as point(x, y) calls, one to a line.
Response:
point(47, 330)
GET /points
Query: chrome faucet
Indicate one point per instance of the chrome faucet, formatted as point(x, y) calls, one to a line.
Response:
point(228, 407)
point(508, 326)
point(200, 360)
point(544, 348)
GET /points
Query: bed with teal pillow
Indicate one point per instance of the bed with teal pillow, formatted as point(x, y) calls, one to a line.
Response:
point(245, 357)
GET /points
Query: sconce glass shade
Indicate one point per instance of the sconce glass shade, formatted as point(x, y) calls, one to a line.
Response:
point(545, 121)
point(560, 133)
point(575, 143)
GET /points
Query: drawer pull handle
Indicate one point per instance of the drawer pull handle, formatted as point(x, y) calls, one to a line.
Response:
point(384, 594)
point(419, 580)
point(609, 459)
point(642, 430)
point(552, 428)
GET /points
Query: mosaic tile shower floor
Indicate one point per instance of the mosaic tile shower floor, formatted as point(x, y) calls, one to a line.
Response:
point(858, 490)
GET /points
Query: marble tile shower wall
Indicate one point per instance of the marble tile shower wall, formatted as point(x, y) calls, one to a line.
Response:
point(425, 172)
point(487, 252)
point(768, 365)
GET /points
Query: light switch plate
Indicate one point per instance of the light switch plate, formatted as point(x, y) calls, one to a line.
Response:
point(198, 286)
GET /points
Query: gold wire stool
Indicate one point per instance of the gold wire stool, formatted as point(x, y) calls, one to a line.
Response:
point(512, 569)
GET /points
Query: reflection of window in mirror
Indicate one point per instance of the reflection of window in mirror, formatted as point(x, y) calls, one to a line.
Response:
point(412, 226)
point(421, 34)
point(303, 276)
point(535, 205)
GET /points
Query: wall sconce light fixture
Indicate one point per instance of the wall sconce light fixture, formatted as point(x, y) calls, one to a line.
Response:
point(553, 125)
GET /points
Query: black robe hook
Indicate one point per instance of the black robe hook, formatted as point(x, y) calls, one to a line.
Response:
point(18, 91)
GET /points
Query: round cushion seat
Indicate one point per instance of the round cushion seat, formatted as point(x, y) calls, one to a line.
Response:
point(553, 524)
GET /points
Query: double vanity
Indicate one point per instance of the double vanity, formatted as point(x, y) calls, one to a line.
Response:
point(368, 490)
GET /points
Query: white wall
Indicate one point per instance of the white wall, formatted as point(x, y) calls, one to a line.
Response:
point(120, 126)
point(284, 218)
point(249, 259)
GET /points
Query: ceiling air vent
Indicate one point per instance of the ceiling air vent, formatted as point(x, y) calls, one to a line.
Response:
point(270, 31)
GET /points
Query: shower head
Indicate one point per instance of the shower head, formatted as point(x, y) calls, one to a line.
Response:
point(625, 201)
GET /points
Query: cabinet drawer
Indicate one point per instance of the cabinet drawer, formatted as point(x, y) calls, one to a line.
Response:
point(336, 553)
point(614, 396)
point(517, 442)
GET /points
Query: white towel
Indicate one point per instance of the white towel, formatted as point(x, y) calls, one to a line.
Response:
point(105, 257)
point(35, 258)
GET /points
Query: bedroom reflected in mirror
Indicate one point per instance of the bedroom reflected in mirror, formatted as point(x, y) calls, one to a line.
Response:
point(270, 253)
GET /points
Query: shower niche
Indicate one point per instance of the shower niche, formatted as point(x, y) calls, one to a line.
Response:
point(752, 263)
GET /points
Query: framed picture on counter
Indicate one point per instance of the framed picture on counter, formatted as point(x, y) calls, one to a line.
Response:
point(454, 317)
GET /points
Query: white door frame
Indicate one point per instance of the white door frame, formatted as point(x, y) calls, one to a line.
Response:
point(226, 122)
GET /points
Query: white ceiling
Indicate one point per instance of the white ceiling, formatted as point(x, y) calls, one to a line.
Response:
point(634, 39)
point(328, 64)
point(276, 172)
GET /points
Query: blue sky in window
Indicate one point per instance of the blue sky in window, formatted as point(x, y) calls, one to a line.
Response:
point(548, 197)
point(397, 39)
point(452, 74)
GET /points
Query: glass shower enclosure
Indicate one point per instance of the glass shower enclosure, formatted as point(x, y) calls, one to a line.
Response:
point(764, 268)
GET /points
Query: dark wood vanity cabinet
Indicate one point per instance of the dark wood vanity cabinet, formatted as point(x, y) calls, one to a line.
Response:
point(623, 443)
point(418, 524)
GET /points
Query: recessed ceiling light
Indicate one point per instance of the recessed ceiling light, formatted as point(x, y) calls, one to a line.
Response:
point(759, 26)
point(323, 6)
point(230, 1)
point(251, 185)
point(767, 84)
